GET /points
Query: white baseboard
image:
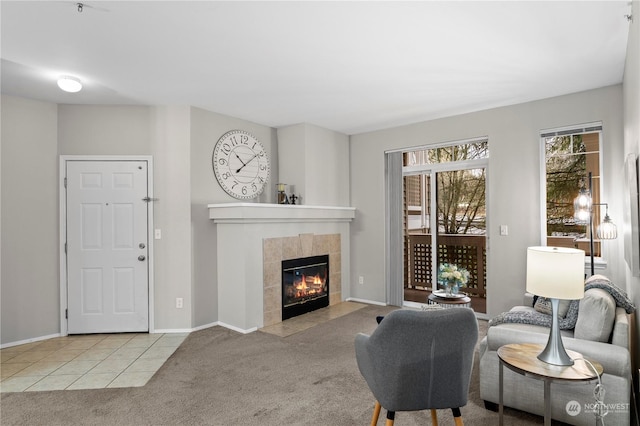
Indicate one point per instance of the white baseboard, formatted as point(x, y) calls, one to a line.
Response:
point(202, 327)
point(157, 331)
point(368, 302)
point(24, 342)
point(171, 330)
point(238, 329)
point(187, 330)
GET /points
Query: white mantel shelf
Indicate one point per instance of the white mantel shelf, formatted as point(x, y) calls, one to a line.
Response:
point(262, 212)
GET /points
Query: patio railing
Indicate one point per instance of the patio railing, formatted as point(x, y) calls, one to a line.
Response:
point(466, 251)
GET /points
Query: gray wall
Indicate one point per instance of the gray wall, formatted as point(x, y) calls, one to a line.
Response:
point(632, 128)
point(172, 215)
point(104, 130)
point(314, 162)
point(513, 196)
point(179, 138)
point(206, 129)
point(29, 228)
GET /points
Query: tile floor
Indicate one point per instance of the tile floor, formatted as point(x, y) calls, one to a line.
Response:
point(98, 361)
point(86, 362)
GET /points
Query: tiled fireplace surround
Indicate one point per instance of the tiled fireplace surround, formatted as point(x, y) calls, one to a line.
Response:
point(275, 250)
point(252, 239)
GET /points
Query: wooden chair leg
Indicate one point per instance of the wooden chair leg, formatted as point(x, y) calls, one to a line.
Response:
point(391, 415)
point(376, 414)
point(434, 417)
point(457, 416)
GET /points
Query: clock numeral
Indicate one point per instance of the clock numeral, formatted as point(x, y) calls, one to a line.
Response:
point(226, 175)
point(226, 148)
point(239, 139)
point(261, 179)
point(244, 190)
point(235, 183)
point(254, 188)
point(222, 161)
point(263, 167)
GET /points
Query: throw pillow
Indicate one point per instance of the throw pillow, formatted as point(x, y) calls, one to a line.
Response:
point(595, 316)
point(543, 305)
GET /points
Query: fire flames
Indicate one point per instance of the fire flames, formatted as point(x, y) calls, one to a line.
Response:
point(308, 286)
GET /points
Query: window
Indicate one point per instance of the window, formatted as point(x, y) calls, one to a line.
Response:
point(472, 150)
point(570, 155)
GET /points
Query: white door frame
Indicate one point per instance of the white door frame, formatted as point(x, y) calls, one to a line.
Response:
point(434, 168)
point(63, 229)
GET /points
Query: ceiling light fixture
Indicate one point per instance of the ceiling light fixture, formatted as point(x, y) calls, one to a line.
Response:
point(69, 84)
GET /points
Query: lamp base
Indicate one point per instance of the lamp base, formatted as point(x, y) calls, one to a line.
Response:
point(555, 353)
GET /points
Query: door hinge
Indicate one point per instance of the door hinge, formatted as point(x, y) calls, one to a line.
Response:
point(66, 313)
point(65, 248)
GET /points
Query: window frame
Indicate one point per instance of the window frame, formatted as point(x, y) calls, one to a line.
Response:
point(587, 128)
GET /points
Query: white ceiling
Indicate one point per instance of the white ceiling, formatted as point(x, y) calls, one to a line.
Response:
point(346, 66)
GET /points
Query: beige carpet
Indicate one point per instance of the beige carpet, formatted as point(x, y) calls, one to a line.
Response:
point(220, 377)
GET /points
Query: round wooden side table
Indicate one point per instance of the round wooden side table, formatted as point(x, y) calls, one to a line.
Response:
point(522, 358)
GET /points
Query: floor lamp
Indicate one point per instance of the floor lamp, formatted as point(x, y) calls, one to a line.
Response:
point(583, 213)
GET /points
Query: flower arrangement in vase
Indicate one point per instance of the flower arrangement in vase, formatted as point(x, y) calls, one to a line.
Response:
point(452, 277)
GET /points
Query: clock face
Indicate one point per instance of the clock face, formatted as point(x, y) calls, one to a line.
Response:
point(241, 164)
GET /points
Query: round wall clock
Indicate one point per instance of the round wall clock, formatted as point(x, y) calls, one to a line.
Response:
point(241, 164)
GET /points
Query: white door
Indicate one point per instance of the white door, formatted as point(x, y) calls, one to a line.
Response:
point(107, 266)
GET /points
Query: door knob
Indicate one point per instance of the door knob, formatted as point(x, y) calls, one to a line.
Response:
point(141, 257)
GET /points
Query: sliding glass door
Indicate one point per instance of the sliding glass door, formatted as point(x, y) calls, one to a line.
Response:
point(461, 228)
point(444, 207)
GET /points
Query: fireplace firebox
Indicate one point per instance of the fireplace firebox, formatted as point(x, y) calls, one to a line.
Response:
point(305, 285)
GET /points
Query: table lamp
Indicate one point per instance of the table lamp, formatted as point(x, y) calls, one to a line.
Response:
point(555, 273)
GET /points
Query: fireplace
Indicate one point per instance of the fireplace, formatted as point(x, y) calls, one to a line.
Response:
point(305, 285)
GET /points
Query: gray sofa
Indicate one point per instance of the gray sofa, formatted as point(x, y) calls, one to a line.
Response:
point(601, 333)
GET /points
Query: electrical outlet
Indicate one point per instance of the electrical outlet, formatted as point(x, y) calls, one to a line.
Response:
point(504, 230)
point(157, 234)
point(360, 279)
point(179, 302)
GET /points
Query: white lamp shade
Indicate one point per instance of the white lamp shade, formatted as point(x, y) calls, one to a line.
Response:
point(69, 84)
point(555, 272)
point(607, 230)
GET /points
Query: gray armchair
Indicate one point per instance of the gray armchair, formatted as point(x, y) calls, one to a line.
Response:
point(419, 360)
